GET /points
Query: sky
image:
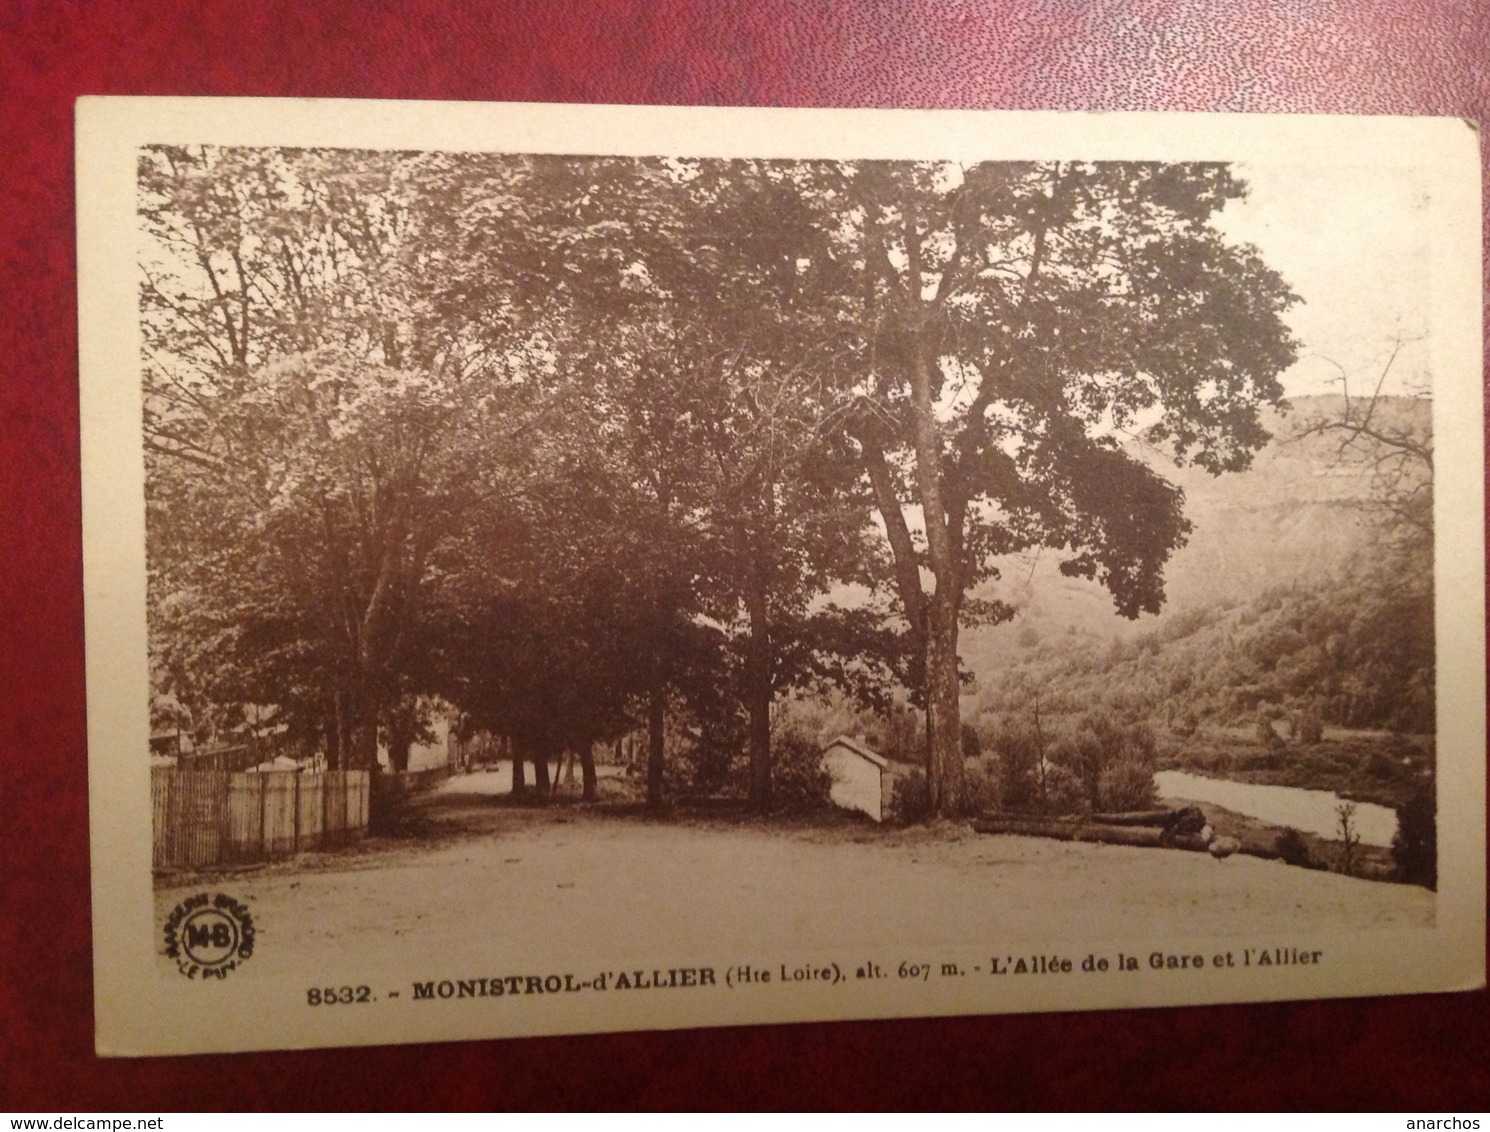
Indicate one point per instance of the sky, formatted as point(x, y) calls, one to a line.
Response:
point(1352, 243)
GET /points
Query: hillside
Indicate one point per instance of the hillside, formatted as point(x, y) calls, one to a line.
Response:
point(1296, 518)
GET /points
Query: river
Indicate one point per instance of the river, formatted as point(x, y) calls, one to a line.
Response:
point(1308, 811)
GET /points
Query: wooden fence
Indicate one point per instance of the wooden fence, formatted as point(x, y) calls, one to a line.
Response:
point(214, 817)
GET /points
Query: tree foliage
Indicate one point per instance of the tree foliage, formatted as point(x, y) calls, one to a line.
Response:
point(1011, 321)
point(576, 443)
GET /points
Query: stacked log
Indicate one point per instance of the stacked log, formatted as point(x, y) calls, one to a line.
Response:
point(1159, 829)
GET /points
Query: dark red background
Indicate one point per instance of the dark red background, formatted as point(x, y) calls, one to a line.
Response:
point(1339, 56)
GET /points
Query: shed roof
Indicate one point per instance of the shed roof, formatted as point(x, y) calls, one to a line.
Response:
point(859, 749)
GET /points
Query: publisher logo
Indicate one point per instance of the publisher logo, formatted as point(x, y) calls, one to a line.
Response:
point(208, 935)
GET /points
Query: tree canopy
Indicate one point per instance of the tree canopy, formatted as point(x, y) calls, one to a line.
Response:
point(576, 442)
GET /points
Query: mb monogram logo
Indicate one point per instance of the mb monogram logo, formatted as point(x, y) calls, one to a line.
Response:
point(209, 935)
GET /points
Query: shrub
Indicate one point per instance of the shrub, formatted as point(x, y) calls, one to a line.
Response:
point(900, 735)
point(1184, 723)
point(1126, 785)
point(1260, 760)
point(1077, 756)
point(799, 781)
point(983, 788)
point(972, 746)
point(1264, 731)
point(1309, 726)
point(706, 766)
point(1293, 848)
point(1350, 839)
point(910, 798)
point(1017, 749)
point(1102, 741)
point(1381, 765)
point(1064, 792)
point(1415, 846)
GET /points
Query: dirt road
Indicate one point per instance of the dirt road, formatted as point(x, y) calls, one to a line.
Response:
point(512, 882)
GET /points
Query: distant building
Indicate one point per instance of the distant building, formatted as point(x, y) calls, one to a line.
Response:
point(439, 752)
point(861, 778)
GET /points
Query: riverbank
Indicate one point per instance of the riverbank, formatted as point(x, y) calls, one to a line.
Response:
point(1316, 812)
point(1377, 767)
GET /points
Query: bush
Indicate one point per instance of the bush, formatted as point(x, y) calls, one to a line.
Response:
point(910, 798)
point(1076, 758)
point(1184, 723)
point(1293, 848)
point(1017, 749)
point(1381, 765)
point(984, 791)
point(1266, 735)
point(391, 812)
point(900, 735)
point(1102, 741)
point(1415, 846)
point(1064, 792)
point(1350, 839)
point(1309, 726)
point(706, 767)
point(799, 781)
point(1126, 785)
point(972, 746)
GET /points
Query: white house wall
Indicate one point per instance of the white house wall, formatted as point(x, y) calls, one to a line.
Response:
point(426, 756)
point(856, 782)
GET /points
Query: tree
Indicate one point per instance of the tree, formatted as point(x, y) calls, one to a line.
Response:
point(687, 339)
point(1389, 440)
point(666, 393)
point(561, 607)
point(736, 315)
point(293, 572)
point(304, 402)
point(1013, 320)
point(1415, 844)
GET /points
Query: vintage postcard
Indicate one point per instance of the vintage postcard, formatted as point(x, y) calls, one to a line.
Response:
point(569, 568)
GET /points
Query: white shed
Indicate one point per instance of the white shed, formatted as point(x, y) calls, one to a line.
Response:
point(861, 778)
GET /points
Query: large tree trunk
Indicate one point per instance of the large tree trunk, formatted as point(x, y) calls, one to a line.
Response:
point(656, 719)
point(519, 785)
point(943, 553)
point(365, 741)
point(541, 784)
point(361, 719)
point(944, 765)
point(759, 696)
point(336, 740)
point(758, 689)
point(902, 553)
point(587, 769)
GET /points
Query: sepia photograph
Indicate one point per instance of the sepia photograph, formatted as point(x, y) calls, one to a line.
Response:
point(790, 565)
